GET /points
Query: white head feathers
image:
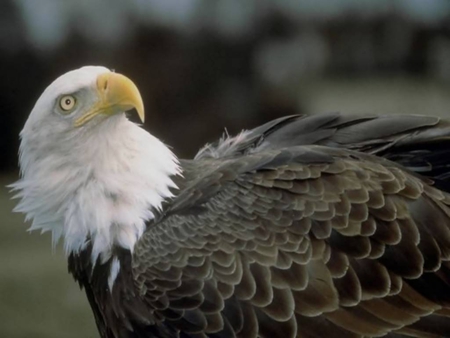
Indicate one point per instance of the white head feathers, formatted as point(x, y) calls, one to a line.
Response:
point(97, 180)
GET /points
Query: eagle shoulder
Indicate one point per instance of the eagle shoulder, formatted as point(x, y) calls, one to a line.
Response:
point(326, 241)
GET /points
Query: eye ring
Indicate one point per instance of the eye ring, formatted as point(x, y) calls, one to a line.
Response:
point(67, 102)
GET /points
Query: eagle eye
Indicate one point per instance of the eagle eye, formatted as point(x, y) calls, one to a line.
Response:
point(67, 102)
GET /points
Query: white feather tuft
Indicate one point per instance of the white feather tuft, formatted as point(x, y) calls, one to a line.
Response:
point(100, 188)
point(113, 272)
point(226, 146)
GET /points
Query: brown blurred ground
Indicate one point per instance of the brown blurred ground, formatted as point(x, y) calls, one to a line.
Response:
point(37, 296)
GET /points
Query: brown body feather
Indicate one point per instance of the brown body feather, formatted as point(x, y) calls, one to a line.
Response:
point(280, 238)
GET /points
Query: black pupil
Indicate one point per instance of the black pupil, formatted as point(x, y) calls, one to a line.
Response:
point(68, 101)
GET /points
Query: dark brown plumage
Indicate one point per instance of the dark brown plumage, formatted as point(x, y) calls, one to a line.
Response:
point(308, 226)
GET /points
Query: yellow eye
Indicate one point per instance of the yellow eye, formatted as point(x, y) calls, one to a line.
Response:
point(67, 102)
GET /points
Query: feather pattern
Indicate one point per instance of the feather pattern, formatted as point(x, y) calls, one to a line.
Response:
point(298, 228)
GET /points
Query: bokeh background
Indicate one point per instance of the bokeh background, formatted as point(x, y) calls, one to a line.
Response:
point(201, 65)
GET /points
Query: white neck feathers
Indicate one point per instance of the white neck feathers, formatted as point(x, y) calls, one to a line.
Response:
point(100, 190)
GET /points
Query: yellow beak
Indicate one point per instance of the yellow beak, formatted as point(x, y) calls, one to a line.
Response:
point(117, 94)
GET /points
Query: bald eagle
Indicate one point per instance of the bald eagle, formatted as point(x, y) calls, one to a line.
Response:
point(307, 226)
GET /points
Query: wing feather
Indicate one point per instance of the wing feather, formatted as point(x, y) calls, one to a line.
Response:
point(301, 242)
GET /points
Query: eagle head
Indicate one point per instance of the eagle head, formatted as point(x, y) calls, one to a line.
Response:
point(88, 174)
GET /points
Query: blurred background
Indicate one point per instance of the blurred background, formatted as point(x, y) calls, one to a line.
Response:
point(201, 66)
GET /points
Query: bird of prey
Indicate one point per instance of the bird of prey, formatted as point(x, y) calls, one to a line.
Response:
point(307, 226)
